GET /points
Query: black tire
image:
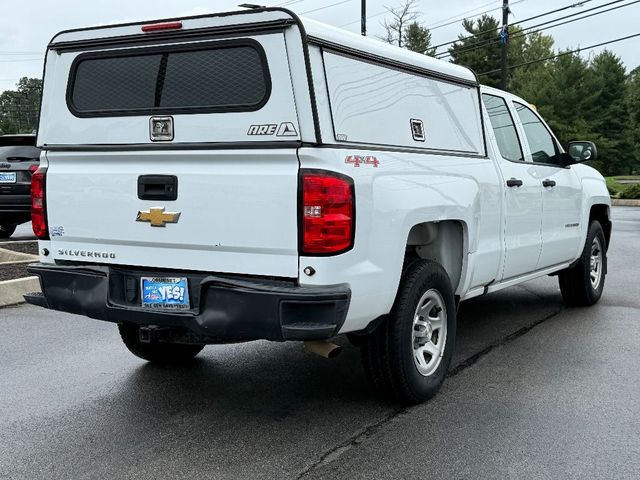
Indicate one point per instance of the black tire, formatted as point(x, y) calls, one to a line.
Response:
point(162, 353)
point(575, 283)
point(388, 352)
point(7, 230)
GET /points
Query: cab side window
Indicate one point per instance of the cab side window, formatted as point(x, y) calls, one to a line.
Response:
point(543, 146)
point(503, 127)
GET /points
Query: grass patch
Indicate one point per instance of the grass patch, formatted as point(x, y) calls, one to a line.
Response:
point(616, 188)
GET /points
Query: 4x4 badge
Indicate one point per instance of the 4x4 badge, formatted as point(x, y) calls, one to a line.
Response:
point(157, 216)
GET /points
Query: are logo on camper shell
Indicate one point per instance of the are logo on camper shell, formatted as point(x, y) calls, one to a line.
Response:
point(284, 129)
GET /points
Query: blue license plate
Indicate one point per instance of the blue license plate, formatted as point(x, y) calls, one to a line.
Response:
point(165, 292)
point(7, 177)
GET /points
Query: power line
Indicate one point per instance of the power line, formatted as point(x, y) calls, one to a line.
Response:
point(562, 54)
point(574, 5)
point(467, 12)
point(358, 21)
point(287, 3)
point(441, 20)
point(530, 30)
point(322, 8)
point(471, 16)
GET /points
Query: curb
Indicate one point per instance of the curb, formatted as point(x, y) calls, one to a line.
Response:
point(12, 291)
point(9, 256)
point(620, 202)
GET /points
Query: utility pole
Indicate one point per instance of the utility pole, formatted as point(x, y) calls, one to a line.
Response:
point(363, 18)
point(504, 40)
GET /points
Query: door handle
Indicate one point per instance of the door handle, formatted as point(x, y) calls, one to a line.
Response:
point(548, 183)
point(514, 182)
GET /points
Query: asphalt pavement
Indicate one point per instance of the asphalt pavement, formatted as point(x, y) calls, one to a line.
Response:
point(536, 390)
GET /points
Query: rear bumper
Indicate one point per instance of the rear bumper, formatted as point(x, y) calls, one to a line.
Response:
point(223, 308)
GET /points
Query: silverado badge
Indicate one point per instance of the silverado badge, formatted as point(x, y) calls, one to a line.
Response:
point(157, 216)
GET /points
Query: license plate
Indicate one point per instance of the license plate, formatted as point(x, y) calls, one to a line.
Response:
point(169, 293)
point(7, 177)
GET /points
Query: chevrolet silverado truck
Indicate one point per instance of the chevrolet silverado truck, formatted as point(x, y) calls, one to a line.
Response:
point(254, 175)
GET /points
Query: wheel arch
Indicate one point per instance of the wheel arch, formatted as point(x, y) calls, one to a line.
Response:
point(602, 213)
point(444, 242)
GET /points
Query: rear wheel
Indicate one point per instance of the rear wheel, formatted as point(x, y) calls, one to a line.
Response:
point(7, 230)
point(407, 356)
point(582, 285)
point(163, 353)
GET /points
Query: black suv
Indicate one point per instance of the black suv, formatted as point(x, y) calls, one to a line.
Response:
point(19, 158)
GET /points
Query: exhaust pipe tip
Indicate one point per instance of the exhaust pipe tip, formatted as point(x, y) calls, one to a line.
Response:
point(323, 348)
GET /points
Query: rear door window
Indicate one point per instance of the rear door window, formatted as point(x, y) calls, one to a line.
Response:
point(195, 78)
point(503, 127)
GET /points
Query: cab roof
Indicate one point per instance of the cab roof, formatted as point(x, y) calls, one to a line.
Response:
point(248, 19)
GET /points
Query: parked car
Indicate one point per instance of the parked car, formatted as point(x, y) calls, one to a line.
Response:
point(19, 159)
point(252, 175)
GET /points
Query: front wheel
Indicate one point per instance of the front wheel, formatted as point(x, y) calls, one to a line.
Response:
point(7, 230)
point(163, 353)
point(582, 284)
point(408, 355)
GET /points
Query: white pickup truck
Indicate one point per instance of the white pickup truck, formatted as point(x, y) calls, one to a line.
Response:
point(253, 175)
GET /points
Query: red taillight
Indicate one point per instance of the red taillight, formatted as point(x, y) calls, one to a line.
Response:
point(156, 27)
point(38, 204)
point(33, 168)
point(328, 213)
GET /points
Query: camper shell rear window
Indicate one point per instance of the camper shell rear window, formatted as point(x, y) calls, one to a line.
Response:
point(204, 77)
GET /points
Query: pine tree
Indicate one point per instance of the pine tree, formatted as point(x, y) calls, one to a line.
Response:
point(418, 39)
point(479, 49)
point(633, 108)
point(609, 115)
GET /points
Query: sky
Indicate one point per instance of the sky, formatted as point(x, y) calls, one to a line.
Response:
point(27, 27)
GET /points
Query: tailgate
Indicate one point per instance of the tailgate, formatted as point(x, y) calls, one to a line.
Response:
point(217, 115)
point(238, 210)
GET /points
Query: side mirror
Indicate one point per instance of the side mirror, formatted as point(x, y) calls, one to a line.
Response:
point(582, 151)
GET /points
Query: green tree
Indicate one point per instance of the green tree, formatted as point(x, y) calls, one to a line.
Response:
point(559, 89)
point(418, 39)
point(528, 49)
point(583, 100)
point(479, 48)
point(401, 17)
point(608, 113)
point(633, 107)
point(19, 109)
point(404, 30)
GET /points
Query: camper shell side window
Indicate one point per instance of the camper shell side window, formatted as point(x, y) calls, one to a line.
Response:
point(377, 104)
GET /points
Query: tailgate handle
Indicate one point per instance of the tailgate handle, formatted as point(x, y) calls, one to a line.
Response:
point(157, 187)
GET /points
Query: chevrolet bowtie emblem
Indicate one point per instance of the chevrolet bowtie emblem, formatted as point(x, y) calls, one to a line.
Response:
point(157, 216)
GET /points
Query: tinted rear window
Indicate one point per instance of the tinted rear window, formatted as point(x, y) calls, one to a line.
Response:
point(225, 76)
point(19, 153)
point(15, 140)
